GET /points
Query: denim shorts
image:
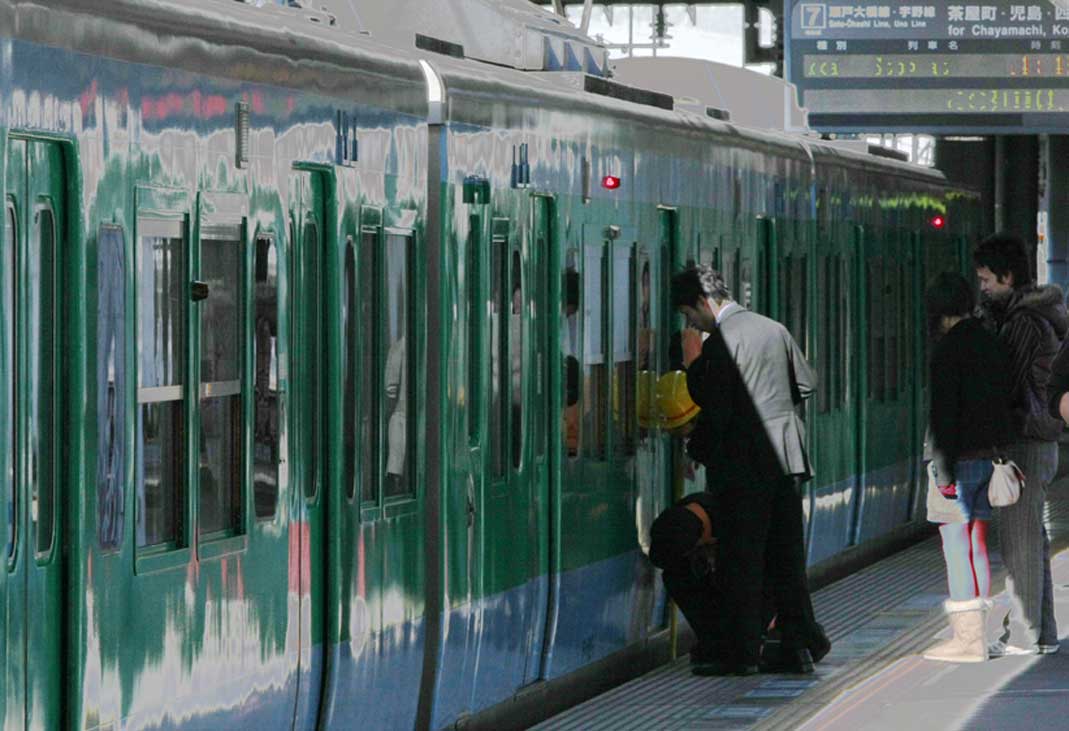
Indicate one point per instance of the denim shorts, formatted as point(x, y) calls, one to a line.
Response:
point(973, 476)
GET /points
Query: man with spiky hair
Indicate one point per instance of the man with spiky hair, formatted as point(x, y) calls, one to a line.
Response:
point(748, 378)
point(1031, 322)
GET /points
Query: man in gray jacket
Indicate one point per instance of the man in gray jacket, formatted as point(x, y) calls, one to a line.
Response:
point(748, 379)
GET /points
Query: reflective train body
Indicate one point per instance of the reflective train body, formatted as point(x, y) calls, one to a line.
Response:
point(320, 363)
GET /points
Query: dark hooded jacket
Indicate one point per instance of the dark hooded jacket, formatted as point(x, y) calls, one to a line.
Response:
point(1031, 323)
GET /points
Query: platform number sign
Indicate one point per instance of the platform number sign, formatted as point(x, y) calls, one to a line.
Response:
point(814, 16)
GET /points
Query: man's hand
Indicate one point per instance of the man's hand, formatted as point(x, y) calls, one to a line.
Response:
point(950, 492)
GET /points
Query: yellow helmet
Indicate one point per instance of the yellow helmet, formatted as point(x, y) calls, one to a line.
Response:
point(674, 403)
point(646, 400)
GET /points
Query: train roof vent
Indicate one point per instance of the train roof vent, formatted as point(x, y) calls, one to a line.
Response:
point(722, 114)
point(880, 151)
point(604, 87)
point(437, 45)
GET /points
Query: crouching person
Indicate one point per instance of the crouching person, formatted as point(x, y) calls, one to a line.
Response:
point(682, 545)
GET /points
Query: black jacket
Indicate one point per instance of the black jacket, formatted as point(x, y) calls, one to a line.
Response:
point(971, 384)
point(1031, 324)
point(729, 440)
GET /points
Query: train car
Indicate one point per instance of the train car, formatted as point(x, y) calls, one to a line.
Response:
point(322, 361)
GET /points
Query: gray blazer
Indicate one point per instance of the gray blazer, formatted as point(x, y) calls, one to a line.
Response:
point(767, 356)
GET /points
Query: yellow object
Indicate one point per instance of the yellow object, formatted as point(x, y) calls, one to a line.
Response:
point(674, 403)
point(646, 400)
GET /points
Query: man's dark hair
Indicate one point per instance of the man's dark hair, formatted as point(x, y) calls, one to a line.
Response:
point(1005, 253)
point(949, 295)
point(687, 288)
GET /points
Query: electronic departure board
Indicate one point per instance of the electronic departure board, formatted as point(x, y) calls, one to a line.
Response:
point(939, 67)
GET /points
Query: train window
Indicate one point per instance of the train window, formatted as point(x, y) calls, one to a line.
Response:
point(499, 323)
point(843, 335)
point(111, 385)
point(314, 344)
point(877, 334)
point(516, 353)
point(368, 392)
point(266, 413)
point(43, 380)
point(645, 325)
point(800, 293)
point(475, 318)
point(349, 368)
point(161, 342)
point(905, 324)
point(221, 375)
point(623, 357)
point(731, 271)
point(594, 360)
point(570, 351)
point(823, 212)
point(893, 317)
point(745, 293)
point(646, 333)
point(8, 283)
point(824, 349)
point(396, 382)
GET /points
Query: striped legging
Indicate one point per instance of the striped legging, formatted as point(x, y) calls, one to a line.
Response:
point(1025, 545)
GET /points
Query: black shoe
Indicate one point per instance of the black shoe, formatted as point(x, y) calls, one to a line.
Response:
point(747, 669)
point(798, 662)
point(819, 645)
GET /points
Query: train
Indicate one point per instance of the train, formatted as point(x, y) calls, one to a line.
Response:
point(319, 358)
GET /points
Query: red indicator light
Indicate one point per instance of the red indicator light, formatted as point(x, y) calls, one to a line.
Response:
point(610, 182)
point(938, 222)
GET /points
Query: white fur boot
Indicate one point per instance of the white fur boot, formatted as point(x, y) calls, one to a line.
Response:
point(968, 619)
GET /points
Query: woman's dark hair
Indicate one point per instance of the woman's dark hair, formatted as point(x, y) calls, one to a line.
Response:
point(1005, 253)
point(948, 295)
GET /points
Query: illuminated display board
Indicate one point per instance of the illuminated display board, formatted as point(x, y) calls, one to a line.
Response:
point(942, 66)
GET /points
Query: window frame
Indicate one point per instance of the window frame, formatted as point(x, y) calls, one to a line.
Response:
point(157, 222)
point(12, 230)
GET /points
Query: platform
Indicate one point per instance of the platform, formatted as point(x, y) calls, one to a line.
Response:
point(879, 620)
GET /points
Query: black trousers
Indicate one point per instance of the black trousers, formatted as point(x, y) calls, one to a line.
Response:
point(761, 556)
point(692, 585)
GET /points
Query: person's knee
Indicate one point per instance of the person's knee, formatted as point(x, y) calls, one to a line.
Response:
point(673, 535)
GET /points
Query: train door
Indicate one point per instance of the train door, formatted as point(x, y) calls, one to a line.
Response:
point(535, 314)
point(513, 500)
point(30, 469)
point(885, 439)
point(308, 234)
point(832, 416)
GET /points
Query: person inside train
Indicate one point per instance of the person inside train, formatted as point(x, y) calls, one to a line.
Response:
point(744, 388)
point(968, 420)
point(570, 353)
point(1031, 321)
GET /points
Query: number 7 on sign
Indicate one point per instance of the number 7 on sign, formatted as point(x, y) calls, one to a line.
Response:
point(814, 16)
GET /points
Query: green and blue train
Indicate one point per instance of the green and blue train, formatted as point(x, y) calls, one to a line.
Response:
point(319, 358)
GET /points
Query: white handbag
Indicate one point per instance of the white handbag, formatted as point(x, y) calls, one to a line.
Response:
point(1006, 484)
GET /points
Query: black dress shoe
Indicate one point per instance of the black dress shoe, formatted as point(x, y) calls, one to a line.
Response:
point(798, 662)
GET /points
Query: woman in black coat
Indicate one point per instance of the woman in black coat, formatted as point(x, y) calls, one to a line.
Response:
point(971, 389)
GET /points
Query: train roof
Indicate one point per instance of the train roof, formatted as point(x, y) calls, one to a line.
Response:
point(299, 37)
